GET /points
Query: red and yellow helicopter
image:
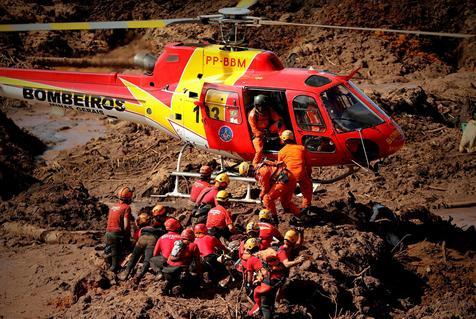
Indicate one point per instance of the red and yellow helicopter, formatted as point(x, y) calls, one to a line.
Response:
point(202, 93)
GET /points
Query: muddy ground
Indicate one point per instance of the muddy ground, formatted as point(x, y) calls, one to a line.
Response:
point(408, 264)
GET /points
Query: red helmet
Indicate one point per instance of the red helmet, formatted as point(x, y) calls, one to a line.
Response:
point(187, 234)
point(158, 210)
point(125, 193)
point(172, 224)
point(200, 229)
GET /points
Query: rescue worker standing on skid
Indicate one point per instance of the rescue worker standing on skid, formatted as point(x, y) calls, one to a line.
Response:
point(219, 220)
point(202, 183)
point(297, 161)
point(276, 182)
point(263, 119)
point(118, 231)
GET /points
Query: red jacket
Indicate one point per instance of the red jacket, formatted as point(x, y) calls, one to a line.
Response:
point(207, 196)
point(208, 245)
point(197, 188)
point(266, 232)
point(218, 217)
point(165, 244)
point(117, 213)
point(187, 255)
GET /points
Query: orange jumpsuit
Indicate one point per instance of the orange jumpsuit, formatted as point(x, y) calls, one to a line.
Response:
point(272, 180)
point(298, 163)
point(259, 122)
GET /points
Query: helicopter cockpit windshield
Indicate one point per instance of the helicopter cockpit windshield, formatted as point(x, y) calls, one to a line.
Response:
point(347, 111)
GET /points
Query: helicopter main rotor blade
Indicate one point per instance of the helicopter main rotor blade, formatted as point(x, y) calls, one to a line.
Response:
point(135, 24)
point(439, 34)
point(246, 3)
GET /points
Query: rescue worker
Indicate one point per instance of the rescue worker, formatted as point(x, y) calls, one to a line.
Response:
point(271, 277)
point(253, 264)
point(208, 195)
point(252, 231)
point(145, 245)
point(276, 182)
point(210, 248)
point(297, 161)
point(267, 231)
point(165, 244)
point(219, 220)
point(184, 265)
point(118, 231)
point(287, 252)
point(142, 220)
point(202, 183)
point(263, 119)
point(159, 216)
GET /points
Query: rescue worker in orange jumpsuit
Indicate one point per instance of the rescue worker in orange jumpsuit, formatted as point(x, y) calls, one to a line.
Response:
point(210, 248)
point(276, 183)
point(297, 161)
point(118, 231)
point(202, 183)
point(219, 220)
point(184, 265)
point(263, 119)
point(165, 244)
point(267, 231)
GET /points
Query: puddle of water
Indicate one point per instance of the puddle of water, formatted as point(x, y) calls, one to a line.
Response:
point(58, 132)
point(463, 217)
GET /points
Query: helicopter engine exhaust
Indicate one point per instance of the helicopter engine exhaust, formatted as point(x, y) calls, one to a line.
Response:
point(145, 60)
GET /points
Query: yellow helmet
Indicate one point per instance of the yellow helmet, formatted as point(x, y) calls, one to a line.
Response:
point(265, 214)
point(222, 178)
point(252, 227)
point(287, 135)
point(244, 169)
point(143, 219)
point(125, 193)
point(251, 243)
point(222, 196)
point(292, 236)
point(158, 210)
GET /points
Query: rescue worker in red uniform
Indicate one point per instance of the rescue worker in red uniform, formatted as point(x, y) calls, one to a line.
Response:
point(276, 182)
point(145, 244)
point(165, 244)
point(210, 248)
point(252, 231)
point(184, 265)
point(267, 231)
point(297, 161)
point(202, 183)
point(159, 216)
point(252, 264)
point(287, 252)
point(142, 220)
point(219, 220)
point(208, 195)
point(118, 231)
point(263, 119)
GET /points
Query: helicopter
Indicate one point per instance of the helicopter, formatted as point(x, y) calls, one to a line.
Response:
point(202, 93)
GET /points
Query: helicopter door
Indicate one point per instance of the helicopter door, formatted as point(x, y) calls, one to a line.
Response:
point(313, 128)
point(225, 121)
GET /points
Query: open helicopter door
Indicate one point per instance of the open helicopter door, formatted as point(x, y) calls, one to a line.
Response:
point(224, 119)
point(313, 128)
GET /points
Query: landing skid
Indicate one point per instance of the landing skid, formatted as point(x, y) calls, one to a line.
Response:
point(233, 176)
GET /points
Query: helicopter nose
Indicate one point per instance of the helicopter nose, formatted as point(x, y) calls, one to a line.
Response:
point(394, 138)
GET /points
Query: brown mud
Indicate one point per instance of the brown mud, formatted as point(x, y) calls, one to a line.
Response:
point(406, 263)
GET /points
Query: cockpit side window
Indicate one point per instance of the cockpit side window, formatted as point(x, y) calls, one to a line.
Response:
point(347, 111)
point(307, 114)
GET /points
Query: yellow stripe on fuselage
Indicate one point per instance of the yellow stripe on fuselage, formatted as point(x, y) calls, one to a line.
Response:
point(216, 66)
point(28, 84)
